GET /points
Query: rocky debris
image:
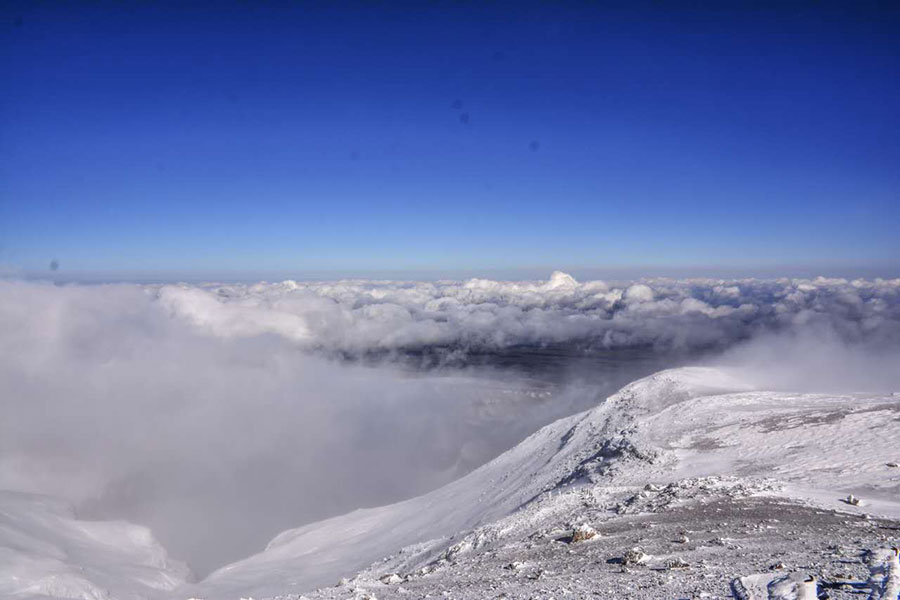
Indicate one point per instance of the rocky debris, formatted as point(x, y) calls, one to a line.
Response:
point(390, 579)
point(676, 563)
point(635, 556)
point(583, 533)
point(606, 457)
point(467, 544)
point(852, 500)
point(654, 498)
point(426, 570)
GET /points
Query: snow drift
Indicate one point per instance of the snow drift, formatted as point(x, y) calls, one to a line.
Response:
point(45, 551)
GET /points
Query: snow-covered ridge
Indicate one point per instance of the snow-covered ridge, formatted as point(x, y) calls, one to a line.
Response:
point(670, 427)
point(659, 446)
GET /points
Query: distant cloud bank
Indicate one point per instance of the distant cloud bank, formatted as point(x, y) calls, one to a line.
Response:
point(356, 317)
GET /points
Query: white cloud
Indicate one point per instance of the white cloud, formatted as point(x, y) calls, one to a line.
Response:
point(356, 317)
point(203, 417)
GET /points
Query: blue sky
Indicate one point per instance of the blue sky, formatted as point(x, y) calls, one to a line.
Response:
point(447, 137)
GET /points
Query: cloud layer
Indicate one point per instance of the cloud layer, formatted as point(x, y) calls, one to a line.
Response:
point(214, 428)
point(218, 416)
point(358, 317)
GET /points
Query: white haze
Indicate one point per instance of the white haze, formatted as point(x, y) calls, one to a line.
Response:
point(219, 414)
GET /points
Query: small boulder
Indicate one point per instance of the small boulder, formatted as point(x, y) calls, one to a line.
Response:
point(583, 533)
point(390, 579)
point(635, 556)
point(677, 563)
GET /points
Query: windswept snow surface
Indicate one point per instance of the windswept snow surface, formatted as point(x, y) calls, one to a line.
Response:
point(705, 431)
point(46, 552)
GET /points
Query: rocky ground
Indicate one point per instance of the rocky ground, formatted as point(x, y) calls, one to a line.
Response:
point(691, 539)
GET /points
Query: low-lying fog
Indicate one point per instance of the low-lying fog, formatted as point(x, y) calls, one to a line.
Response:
point(220, 415)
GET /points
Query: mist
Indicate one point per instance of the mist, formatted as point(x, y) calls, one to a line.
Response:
point(219, 415)
point(816, 361)
point(219, 443)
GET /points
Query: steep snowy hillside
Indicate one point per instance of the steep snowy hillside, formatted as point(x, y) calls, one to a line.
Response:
point(688, 483)
point(46, 552)
point(558, 454)
point(663, 445)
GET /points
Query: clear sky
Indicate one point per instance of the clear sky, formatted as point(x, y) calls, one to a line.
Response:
point(447, 136)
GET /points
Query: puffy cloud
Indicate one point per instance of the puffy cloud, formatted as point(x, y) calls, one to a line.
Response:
point(639, 293)
point(358, 317)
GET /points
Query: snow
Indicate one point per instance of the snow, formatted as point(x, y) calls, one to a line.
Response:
point(46, 552)
point(776, 586)
point(665, 415)
point(321, 553)
point(675, 426)
point(824, 447)
point(123, 398)
point(691, 479)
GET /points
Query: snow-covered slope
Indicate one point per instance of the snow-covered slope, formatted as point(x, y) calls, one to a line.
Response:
point(660, 432)
point(824, 447)
point(46, 552)
point(685, 453)
point(321, 553)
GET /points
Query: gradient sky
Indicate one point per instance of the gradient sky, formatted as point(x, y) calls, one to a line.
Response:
point(244, 137)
